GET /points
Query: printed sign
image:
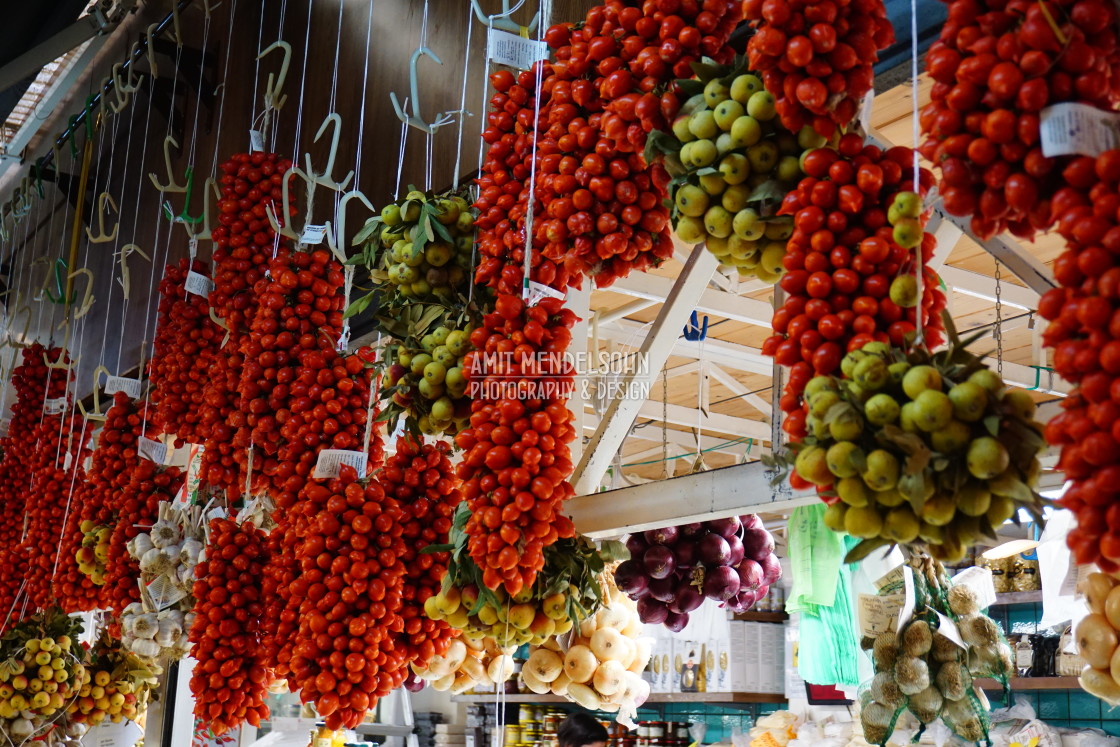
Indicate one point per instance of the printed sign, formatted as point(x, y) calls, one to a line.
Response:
point(198, 284)
point(1066, 129)
point(505, 48)
point(331, 459)
point(131, 387)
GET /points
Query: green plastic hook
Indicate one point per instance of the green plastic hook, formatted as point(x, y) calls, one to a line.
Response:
point(183, 216)
point(60, 271)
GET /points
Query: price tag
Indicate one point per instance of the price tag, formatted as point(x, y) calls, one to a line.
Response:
point(313, 235)
point(878, 614)
point(67, 462)
point(153, 451)
point(535, 292)
point(505, 48)
point(131, 387)
point(331, 459)
point(109, 734)
point(948, 628)
point(1066, 129)
point(892, 581)
point(256, 141)
point(198, 284)
point(54, 406)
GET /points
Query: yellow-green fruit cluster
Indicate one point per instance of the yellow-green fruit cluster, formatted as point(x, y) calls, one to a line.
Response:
point(41, 680)
point(94, 552)
point(101, 698)
point(513, 621)
point(426, 268)
point(910, 453)
point(435, 372)
point(730, 146)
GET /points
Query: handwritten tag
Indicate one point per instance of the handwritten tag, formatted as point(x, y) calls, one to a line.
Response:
point(878, 614)
point(505, 48)
point(54, 406)
point(1066, 129)
point(892, 581)
point(198, 284)
point(331, 459)
point(256, 141)
point(131, 387)
point(313, 235)
point(153, 451)
point(948, 628)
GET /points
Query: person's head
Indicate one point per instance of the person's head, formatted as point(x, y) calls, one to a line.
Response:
point(581, 730)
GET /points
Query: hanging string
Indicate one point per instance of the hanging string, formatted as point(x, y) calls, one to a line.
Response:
point(224, 88)
point(400, 153)
point(257, 66)
point(302, 86)
point(463, 105)
point(527, 264)
point(192, 153)
point(362, 106)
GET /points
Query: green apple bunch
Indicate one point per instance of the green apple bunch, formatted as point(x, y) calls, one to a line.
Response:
point(732, 163)
point(904, 215)
point(920, 449)
point(428, 381)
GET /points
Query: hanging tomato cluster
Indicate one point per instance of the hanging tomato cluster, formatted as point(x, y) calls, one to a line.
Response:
point(347, 594)
point(848, 281)
point(94, 501)
point(183, 350)
point(995, 67)
point(230, 678)
point(816, 58)
point(1084, 332)
point(422, 479)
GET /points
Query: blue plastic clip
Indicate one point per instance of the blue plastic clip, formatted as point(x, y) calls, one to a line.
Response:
point(693, 331)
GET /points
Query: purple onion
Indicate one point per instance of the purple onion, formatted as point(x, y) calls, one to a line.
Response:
point(751, 521)
point(659, 561)
point(751, 575)
point(761, 592)
point(725, 527)
point(685, 551)
point(676, 622)
point(413, 684)
point(662, 536)
point(691, 530)
point(721, 583)
point(631, 578)
point(758, 544)
point(688, 599)
point(714, 550)
point(737, 550)
point(663, 589)
point(771, 569)
point(652, 611)
point(744, 600)
point(636, 544)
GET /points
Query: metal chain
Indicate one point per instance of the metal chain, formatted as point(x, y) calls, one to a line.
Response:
point(999, 324)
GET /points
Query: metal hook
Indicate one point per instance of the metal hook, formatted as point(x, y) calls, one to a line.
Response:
point(123, 90)
point(150, 51)
point(415, 119)
point(501, 20)
point(337, 240)
point(210, 186)
point(693, 332)
point(122, 259)
point(172, 185)
point(286, 229)
point(272, 97)
point(101, 238)
point(324, 177)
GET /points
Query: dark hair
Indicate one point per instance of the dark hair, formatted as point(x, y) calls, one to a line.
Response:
point(580, 729)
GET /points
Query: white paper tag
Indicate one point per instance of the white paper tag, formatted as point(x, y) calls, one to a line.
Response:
point(108, 734)
point(154, 451)
point(505, 48)
point(217, 512)
point(891, 581)
point(54, 406)
point(192, 247)
point(980, 581)
point(198, 284)
point(131, 387)
point(909, 599)
point(948, 628)
point(256, 141)
point(67, 461)
point(878, 614)
point(313, 235)
point(865, 111)
point(331, 459)
point(535, 292)
point(398, 431)
point(1066, 129)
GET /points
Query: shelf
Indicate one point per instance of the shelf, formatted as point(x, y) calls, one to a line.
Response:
point(293, 725)
point(765, 617)
point(654, 698)
point(1017, 597)
point(1031, 683)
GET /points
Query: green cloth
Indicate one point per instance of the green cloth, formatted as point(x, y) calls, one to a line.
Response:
point(828, 653)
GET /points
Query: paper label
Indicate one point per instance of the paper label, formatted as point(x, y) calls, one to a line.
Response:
point(1024, 657)
point(289, 725)
point(980, 581)
point(891, 581)
point(948, 628)
point(313, 235)
point(909, 597)
point(198, 284)
point(153, 451)
point(878, 614)
point(164, 592)
point(1066, 129)
point(505, 48)
point(54, 406)
point(108, 734)
point(331, 459)
point(256, 141)
point(131, 387)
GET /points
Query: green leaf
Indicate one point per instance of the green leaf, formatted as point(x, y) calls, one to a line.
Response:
point(992, 424)
point(706, 72)
point(360, 305)
point(690, 87)
point(371, 228)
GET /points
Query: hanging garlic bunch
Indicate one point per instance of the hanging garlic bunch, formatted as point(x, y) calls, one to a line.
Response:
point(167, 553)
